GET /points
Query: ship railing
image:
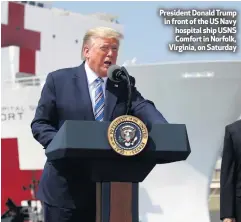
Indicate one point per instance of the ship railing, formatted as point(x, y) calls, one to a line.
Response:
point(102, 16)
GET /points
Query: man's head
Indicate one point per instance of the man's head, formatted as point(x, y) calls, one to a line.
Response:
point(100, 49)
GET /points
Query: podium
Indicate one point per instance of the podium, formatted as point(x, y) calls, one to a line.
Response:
point(117, 176)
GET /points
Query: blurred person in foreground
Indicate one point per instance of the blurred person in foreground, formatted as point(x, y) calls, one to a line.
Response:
point(67, 192)
point(230, 184)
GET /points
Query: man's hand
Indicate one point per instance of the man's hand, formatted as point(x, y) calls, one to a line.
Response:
point(229, 220)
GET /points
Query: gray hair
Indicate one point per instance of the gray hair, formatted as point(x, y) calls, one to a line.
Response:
point(100, 32)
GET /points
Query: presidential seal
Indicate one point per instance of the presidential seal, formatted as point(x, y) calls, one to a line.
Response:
point(127, 135)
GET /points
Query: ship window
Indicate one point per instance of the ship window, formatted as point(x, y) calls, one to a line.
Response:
point(32, 3)
point(23, 2)
point(41, 5)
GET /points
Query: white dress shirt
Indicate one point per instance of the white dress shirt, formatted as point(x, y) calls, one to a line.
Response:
point(91, 77)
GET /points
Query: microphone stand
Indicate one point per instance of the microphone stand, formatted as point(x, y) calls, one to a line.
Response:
point(127, 79)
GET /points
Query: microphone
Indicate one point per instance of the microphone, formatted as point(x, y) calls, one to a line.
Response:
point(115, 74)
point(118, 74)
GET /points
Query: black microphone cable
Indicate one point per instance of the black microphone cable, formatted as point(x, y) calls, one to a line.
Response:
point(129, 104)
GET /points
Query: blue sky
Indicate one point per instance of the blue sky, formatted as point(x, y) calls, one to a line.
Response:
point(145, 36)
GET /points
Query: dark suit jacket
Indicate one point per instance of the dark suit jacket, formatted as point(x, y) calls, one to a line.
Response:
point(230, 184)
point(65, 96)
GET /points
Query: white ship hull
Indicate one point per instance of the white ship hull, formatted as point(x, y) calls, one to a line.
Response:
point(205, 96)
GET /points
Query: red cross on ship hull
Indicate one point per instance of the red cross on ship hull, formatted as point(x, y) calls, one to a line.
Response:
point(14, 34)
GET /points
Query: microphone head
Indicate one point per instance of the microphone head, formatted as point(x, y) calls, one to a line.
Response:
point(114, 72)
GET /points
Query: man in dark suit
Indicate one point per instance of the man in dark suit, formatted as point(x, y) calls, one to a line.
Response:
point(230, 185)
point(82, 93)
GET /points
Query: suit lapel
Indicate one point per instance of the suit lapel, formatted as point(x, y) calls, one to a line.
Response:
point(82, 95)
point(110, 100)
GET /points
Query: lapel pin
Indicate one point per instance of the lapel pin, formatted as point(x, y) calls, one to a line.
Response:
point(116, 85)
